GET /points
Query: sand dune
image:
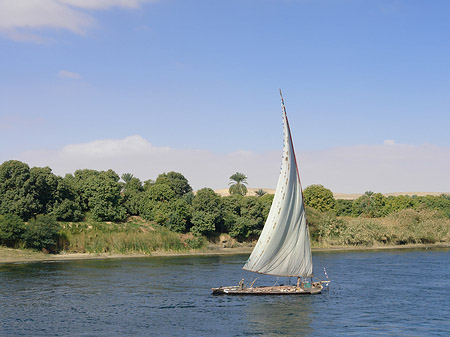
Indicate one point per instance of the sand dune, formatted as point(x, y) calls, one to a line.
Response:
point(347, 196)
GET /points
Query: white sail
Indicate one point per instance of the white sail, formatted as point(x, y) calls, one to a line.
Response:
point(283, 249)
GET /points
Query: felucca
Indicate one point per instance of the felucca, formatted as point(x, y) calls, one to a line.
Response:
point(283, 249)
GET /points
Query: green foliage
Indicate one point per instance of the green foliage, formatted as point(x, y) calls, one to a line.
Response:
point(180, 216)
point(330, 226)
point(132, 195)
point(12, 229)
point(370, 205)
point(344, 207)
point(160, 192)
point(324, 225)
point(204, 223)
point(260, 192)
point(156, 203)
point(67, 210)
point(196, 242)
point(207, 214)
point(26, 192)
point(133, 185)
point(243, 216)
point(176, 181)
point(402, 227)
point(397, 203)
point(319, 197)
point(99, 193)
point(42, 233)
point(188, 197)
point(16, 195)
point(241, 228)
point(252, 210)
point(237, 184)
point(266, 202)
point(44, 187)
point(126, 177)
point(66, 205)
point(440, 203)
point(122, 238)
point(170, 202)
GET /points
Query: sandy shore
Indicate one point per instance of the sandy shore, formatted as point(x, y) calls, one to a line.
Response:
point(8, 255)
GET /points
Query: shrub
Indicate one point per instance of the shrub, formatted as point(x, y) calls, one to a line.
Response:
point(12, 229)
point(42, 233)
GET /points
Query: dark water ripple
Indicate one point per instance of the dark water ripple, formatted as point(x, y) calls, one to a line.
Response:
point(388, 293)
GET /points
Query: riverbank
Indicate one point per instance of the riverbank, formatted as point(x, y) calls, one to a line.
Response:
point(9, 255)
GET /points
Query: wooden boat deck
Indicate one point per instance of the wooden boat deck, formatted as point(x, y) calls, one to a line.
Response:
point(315, 288)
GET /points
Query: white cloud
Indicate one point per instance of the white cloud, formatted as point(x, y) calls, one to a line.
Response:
point(379, 168)
point(389, 142)
point(69, 74)
point(355, 169)
point(104, 4)
point(19, 19)
point(136, 155)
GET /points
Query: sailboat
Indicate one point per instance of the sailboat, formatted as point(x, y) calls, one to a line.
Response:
point(283, 248)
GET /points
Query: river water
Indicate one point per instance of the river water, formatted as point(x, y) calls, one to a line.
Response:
point(387, 293)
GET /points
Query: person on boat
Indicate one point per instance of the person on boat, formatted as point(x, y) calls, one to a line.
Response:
point(241, 284)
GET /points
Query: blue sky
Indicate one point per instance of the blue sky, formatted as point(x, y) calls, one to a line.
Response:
point(194, 85)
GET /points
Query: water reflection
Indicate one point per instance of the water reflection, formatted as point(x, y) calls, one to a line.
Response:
point(280, 315)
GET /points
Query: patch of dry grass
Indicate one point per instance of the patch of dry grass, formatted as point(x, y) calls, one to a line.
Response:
point(400, 228)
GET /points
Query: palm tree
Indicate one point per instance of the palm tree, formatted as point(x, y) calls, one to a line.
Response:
point(237, 184)
point(126, 177)
point(260, 192)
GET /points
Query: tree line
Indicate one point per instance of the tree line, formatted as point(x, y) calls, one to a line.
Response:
point(373, 205)
point(36, 195)
point(43, 200)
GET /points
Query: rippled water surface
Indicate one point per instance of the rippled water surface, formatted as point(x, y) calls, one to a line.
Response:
point(404, 293)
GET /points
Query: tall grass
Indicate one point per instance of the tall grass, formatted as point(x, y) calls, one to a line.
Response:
point(125, 238)
point(403, 227)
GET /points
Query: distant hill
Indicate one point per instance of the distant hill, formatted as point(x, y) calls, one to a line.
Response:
point(347, 196)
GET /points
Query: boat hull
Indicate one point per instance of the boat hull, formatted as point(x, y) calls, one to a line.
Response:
point(316, 288)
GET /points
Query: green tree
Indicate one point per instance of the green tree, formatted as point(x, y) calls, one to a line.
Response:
point(266, 202)
point(16, 195)
point(369, 205)
point(243, 216)
point(231, 211)
point(180, 216)
point(42, 233)
point(440, 203)
point(397, 203)
point(252, 212)
point(12, 229)
point(99, 193)
point(344, 207)
point(156, 204)
point(132, 195)
point(238, 182)
point(44, 187)
point(320, 198)
point(106, 201)
point(260, 192)
point(207, 214)
point(84, 184)
point(67, 205)
point(126, 177)
point(177, 182)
